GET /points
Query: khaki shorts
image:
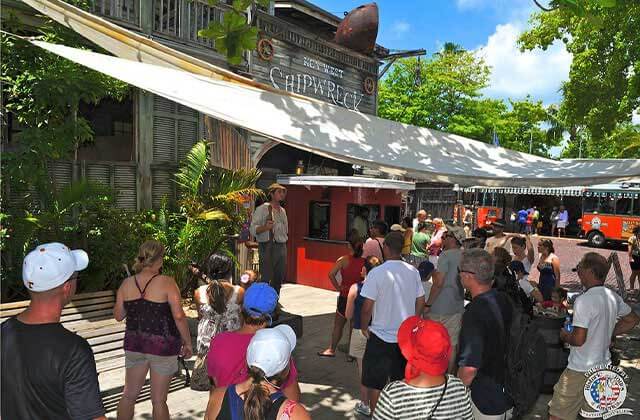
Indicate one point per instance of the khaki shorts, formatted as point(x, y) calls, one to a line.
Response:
point(163, 365)
point(453, 324)
point(358, 344)
point(568, 397)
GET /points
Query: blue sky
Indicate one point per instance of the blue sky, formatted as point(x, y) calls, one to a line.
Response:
point(489, 27)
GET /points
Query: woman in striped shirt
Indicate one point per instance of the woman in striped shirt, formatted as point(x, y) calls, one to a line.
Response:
point(427, 392)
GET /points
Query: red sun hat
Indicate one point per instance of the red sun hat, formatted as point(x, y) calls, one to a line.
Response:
point(426, 346)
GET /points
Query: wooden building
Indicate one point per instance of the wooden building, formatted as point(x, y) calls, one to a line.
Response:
point(140, 142)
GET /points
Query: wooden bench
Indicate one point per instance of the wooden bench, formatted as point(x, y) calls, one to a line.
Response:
point(89, 315)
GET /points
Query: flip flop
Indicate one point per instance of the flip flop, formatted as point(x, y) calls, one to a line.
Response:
point(322, 354)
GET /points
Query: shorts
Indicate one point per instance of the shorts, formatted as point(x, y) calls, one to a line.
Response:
point(341, 306)
point(634, 263)
point(479, 415)
point(382, 363)
point(568, 397)
point(163, 365)
point(453, 324)
point(561, 224)
point(358, 344)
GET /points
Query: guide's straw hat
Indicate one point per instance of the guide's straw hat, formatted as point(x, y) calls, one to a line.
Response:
point(275, 186)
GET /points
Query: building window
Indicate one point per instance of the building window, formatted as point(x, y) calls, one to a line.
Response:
point(319, 219)
point(360, 217)
point(112, 125)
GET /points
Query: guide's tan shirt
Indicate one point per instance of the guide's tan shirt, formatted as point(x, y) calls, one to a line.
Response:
point(280, 224)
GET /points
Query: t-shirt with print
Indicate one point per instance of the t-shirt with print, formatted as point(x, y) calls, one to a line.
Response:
point(597, 310)
point(47, 372)
point(394, 286)
point(373, 246)
point(635, 246)
point(401, 401)
point(451, 298)
point(227, 360)
point(483, 345)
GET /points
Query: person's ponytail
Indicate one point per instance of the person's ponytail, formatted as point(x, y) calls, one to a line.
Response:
point(217, 298)
point(257, 401)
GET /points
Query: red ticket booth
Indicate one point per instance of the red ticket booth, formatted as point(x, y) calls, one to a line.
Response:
point(321, 211)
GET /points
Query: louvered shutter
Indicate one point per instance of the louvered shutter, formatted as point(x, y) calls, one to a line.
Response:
point(176, 129)
point(124, 181)
point(60, 173)
point(98, 172)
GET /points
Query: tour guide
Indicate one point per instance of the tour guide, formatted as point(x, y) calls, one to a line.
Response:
point(269, 225)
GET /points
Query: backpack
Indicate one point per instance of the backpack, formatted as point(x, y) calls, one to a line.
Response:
point(505, 281)
point(525, 362)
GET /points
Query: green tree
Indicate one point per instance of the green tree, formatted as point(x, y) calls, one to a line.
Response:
point(237, 32)
point(428, 93)
point(604, 81)
point(43, 92)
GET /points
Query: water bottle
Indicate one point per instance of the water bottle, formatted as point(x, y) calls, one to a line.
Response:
point(568, 327)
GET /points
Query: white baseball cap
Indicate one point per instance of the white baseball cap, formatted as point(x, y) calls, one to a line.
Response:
point(50, 265)
point(270, 349)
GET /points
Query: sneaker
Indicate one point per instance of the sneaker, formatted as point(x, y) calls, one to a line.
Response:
point(363, 409)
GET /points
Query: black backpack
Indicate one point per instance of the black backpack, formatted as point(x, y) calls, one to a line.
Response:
point(505, 281)
point(526, 359)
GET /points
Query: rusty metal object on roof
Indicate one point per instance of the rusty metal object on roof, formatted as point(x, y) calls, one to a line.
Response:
point(359, 29)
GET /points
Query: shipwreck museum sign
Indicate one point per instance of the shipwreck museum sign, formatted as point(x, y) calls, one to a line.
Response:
point(300, 64)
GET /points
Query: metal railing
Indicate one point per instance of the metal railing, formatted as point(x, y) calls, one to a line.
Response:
point(125, 10)
point(182, 19)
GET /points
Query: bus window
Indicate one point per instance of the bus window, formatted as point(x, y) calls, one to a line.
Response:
point(623, 206)
point(607, 205)
point(636, 206)
point(591, 204)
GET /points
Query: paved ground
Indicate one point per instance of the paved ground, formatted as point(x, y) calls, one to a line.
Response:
point(329, 386)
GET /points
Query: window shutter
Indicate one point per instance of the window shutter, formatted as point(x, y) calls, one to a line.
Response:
point(163, 186)
point(124, 181)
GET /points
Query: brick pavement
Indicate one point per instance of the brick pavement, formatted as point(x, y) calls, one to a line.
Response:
point(330, 386)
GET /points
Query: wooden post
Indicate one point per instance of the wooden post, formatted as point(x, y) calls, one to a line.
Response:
point(144, 148)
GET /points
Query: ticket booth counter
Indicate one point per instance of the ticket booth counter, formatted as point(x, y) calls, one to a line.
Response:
point(321, 212)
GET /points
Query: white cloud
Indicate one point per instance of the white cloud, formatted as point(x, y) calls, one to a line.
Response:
point(515, 74)
point(399, 28)
point(469, 4)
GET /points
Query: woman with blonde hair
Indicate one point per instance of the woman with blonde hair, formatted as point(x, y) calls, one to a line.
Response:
point(156, 332)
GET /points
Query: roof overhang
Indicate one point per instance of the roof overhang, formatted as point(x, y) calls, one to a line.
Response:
point(346, 182)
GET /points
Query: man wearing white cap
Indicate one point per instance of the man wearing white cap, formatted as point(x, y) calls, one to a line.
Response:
point(48, 371)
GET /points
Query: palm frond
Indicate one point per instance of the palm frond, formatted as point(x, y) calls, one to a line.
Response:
point(214, 215)
point(193, 169)
point(226, 185)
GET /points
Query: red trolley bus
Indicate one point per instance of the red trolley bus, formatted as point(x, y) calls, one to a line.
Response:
point(609, 212)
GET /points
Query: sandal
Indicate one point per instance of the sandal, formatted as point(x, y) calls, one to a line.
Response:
point(323, 354)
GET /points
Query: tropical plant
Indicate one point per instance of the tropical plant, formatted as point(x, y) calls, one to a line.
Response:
point(211, 206)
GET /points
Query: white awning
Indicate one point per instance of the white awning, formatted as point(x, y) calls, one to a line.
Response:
point(630, 189)
point(345, 181)
point(324, 129)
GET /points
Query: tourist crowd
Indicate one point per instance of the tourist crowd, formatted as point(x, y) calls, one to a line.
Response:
point(420, 352)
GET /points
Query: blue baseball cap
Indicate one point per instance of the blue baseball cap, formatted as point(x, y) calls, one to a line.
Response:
point(260, 299)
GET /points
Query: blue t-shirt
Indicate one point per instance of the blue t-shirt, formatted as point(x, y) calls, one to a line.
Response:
point(522, 216)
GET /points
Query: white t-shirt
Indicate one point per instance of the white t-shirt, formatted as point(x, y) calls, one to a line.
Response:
point(394, 286)
point(597, 310)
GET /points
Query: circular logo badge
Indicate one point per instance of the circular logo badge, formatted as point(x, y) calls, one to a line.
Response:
point(596, 223)
point(605, 390)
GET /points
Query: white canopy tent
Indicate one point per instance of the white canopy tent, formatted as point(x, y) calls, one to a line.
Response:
point(328, 130)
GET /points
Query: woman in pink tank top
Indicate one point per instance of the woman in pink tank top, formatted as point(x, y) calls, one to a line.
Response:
point(350, 268)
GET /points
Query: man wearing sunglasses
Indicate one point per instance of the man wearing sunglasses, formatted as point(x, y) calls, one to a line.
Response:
point(445, 303)
point(598, 314)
